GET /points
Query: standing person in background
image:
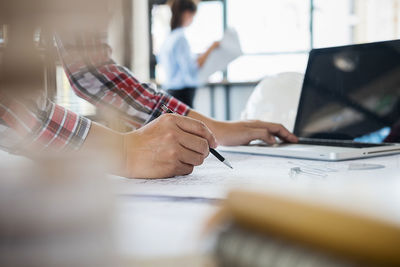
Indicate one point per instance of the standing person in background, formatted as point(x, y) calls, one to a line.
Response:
point(179, 63)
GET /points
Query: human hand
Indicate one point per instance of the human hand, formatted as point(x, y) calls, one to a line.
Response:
point(243, 132)
point(202, 58)
point(215, 45)
point(169, 146)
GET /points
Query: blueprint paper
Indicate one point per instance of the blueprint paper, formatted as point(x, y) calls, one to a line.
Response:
point(219, 59)
point(214, 180)
point(361, 189)
point(375, 191)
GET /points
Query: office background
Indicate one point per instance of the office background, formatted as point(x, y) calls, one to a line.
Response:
point(276, 36)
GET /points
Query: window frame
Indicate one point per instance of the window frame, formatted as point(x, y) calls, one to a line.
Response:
point(153, 61)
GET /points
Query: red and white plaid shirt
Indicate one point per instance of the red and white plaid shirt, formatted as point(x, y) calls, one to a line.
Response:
point(94, 76)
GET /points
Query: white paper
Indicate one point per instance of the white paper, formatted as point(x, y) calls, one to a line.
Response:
point(377, 190)
point(219, 59)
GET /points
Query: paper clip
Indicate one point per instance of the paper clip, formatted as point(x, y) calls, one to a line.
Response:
point(297, 170)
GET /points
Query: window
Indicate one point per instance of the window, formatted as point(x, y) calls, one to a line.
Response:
point(254, 67)
point(277, 35)
point(66, 98)
point(333, 22)
point(207, 27)
point(344, 22)
point(266, 26)
point(377, 20)
point(160, 17)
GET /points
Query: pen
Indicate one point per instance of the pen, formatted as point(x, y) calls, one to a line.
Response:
point(212, 150)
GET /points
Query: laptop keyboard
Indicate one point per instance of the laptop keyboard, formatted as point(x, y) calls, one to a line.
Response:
point(338, 143)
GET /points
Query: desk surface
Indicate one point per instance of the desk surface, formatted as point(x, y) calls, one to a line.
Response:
point(161, 219)
point(169, 226)
point(213, 180)
point(157, 230)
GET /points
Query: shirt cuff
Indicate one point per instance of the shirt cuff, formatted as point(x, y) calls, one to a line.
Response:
point(172, 103)
point(62, 130)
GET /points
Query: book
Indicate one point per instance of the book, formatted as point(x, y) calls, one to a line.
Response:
point(272, 230)
point(238, 246)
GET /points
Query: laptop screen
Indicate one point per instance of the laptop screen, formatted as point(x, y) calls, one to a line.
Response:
point(352, 93)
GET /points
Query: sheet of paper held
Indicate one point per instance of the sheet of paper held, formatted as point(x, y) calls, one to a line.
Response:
point(219, 59)
point(349, 182)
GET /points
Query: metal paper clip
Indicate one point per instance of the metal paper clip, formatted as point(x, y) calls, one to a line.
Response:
point(297, 171)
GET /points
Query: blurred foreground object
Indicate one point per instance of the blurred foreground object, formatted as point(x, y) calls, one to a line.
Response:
point(77, 15)
point(25, 22)
point(55, 212)
point(275, 99)
point(268, 230)
point(30, 122)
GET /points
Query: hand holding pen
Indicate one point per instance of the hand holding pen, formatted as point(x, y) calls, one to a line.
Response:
point(168, 146)
point(212, 151)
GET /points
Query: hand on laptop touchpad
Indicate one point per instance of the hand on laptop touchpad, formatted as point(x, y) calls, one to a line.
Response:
point(263, 143)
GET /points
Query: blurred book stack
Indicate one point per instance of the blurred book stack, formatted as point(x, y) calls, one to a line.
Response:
point(271, 230)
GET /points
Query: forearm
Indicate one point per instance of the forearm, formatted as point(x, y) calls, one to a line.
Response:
point(242, 132)
point(203, 57)
point(106, 146)
point(212, 124)
point(34, 124)
point(95, 77)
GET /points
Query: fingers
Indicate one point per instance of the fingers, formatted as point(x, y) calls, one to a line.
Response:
point(281, 132)
point(178, 169)
point(180, 161)
point(268, 135)
point(198, 128)
point(194, 143)
point(190, 157)
point(186, 143)
point(184, 169)
point(216, 45)
point(275, 129)
point(262, 134)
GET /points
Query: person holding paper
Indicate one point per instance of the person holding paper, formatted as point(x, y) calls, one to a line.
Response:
point(179, 63)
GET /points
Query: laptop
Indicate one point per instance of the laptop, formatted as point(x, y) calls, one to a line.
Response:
point(349, 106)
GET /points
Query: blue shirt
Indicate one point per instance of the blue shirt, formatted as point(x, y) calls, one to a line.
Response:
point(178, 62)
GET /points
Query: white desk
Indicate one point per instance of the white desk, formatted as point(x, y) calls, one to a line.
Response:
point(162, 233)
point(169, 228)
point(159, 219)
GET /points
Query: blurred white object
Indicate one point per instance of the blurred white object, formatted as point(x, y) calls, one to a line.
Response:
point(275, 99)
point(56, 211)
point(228, 50)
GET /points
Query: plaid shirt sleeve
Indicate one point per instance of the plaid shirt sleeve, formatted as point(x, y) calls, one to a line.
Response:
point(39, 125)
point(95, 77)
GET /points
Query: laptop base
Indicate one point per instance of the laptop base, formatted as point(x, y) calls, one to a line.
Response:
point(314, 152)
